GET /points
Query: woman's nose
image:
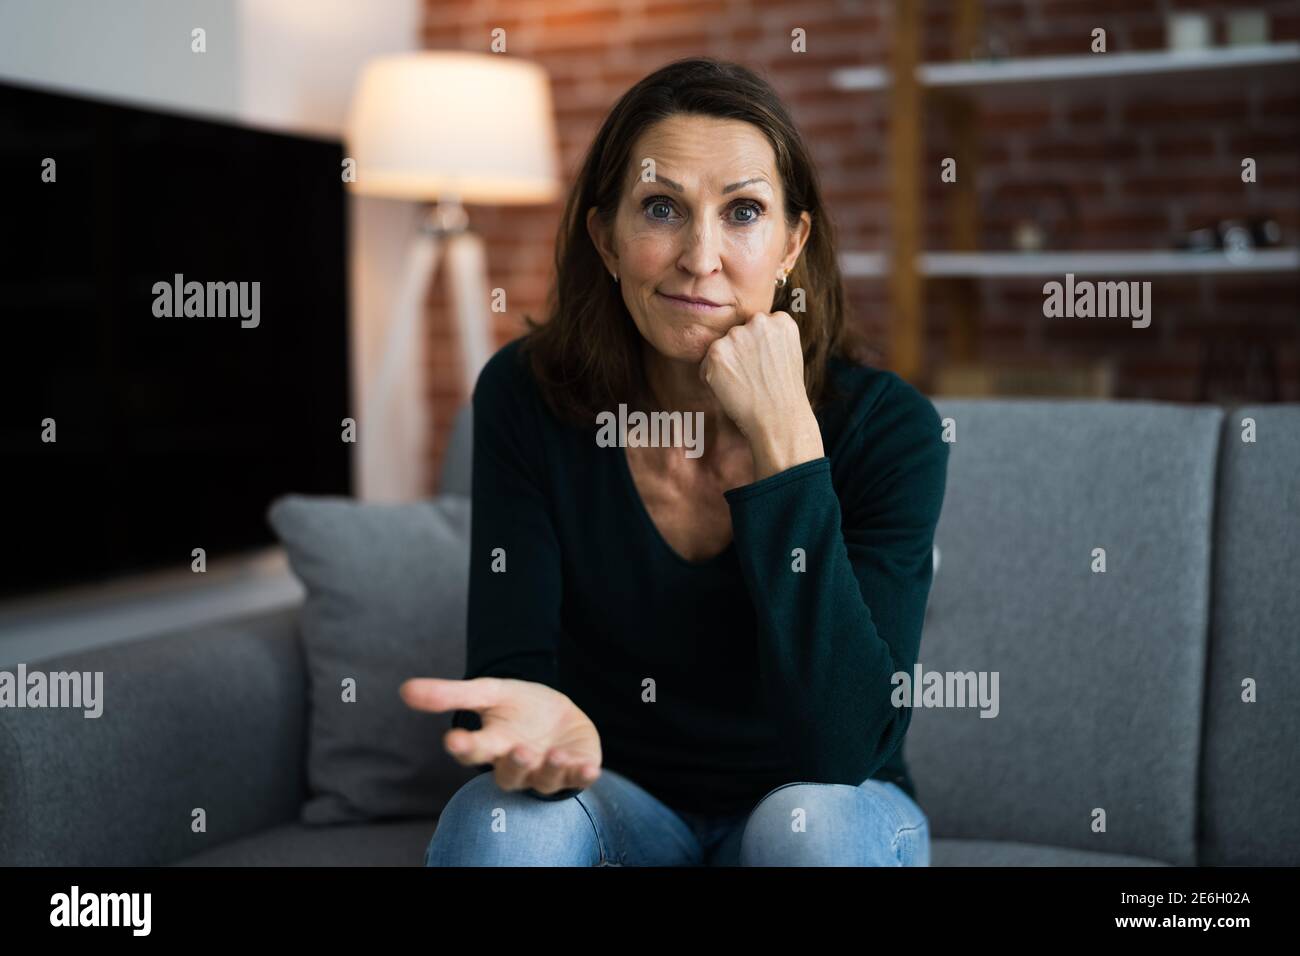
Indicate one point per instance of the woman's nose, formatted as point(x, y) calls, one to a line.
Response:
point(700, 253)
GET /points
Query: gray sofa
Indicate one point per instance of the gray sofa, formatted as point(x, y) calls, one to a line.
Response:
point(1120, 693)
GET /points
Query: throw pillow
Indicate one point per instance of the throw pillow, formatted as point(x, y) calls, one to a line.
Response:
point(387, 586)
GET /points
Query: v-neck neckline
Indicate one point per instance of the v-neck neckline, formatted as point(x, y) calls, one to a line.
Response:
point(630, 483)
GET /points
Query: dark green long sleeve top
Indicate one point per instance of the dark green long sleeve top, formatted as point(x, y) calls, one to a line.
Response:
point(711, 682)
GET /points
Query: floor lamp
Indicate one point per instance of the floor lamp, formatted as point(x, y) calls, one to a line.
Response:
point(445, 128)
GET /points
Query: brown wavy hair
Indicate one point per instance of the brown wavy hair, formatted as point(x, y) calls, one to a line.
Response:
point(586, 357)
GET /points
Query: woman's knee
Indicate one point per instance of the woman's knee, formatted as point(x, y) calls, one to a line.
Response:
point(814, 824)
point(483, 825)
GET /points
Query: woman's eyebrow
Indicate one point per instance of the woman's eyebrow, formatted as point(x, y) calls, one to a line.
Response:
point(726, 189)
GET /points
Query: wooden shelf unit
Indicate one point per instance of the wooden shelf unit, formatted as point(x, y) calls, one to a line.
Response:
point(952, 89)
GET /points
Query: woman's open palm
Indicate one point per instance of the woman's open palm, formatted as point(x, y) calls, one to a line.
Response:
point(533, 735)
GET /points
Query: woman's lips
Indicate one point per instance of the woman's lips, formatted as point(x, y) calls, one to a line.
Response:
point(673, 300)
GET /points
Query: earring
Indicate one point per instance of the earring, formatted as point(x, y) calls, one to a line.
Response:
point(616, 277)
point(780, 281)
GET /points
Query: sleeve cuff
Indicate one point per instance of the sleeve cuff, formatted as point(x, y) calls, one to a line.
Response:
point(781, 478)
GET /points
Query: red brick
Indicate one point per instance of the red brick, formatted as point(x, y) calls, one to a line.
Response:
point(1076, 150)
point(1017, 118)
point(1181, 184)
point(1177, 145)
point(1178, 111)
point(585, 18)
point(1090, 113)
point(1258, 143)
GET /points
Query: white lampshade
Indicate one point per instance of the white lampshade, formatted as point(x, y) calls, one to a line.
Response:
point(477, 126)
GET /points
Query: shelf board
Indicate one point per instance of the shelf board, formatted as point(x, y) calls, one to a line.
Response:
point(1067, 68)
point(861, 78)
point(860, 265)
point(1016, 264)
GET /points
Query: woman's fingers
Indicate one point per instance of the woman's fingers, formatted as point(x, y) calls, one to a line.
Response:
point(524, 767)
point(459, 742)
point(438, 694)
point(474, 747)
point(562, 770)
point(550, 773)
point(583, 776)
point(578, 775)
point(513, 769)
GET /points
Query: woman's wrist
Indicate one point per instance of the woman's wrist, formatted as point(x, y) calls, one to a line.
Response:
point(777, 448)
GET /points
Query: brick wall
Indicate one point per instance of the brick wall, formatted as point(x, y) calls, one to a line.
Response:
point(1139, 163)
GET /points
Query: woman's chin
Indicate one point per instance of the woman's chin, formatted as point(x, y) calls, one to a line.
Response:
point(690, 344)
point(684, 339)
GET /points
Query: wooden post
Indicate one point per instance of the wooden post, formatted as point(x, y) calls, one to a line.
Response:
point(907, 330)
point(962, 115)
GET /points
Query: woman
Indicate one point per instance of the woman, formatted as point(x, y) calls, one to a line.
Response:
point(684, 657)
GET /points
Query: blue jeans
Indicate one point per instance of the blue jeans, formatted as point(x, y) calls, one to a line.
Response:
point(614, 822)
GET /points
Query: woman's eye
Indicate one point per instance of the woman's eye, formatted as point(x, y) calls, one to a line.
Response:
point(652, 204)
point(751, 207)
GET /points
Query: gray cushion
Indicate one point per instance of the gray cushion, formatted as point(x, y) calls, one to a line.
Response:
point(1101, 676)
point(386, 600)
point(394, 843)
point(1251, 768)
point(990, 853)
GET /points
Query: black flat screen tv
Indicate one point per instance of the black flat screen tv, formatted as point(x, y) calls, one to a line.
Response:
point(174, 304)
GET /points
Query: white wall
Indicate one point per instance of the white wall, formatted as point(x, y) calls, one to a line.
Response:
point(282, 64)
point(136, 50)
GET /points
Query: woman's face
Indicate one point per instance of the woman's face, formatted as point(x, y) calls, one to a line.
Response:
point(710, 225)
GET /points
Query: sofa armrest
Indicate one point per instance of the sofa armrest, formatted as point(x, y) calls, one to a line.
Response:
point(214, 718)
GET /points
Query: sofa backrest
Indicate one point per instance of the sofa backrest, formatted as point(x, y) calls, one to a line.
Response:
point(1250, 771)
point(1100, 674)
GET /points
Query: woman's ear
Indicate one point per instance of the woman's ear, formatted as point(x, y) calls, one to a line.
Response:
point(797, 239)
point(600, 239)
